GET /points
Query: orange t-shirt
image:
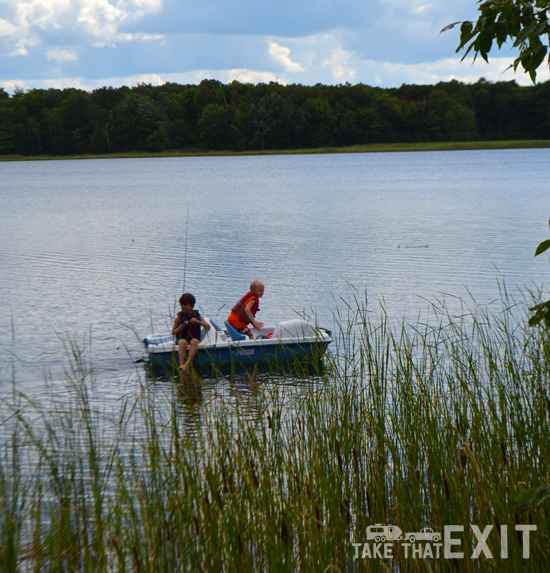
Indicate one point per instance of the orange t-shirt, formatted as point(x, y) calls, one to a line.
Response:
point(236, 318)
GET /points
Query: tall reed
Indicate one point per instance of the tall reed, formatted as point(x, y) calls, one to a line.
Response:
point(436, 423)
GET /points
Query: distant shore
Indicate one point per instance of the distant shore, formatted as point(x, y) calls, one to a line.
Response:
point(370, 148)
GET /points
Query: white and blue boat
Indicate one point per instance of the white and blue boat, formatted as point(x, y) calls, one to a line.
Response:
point(293, 342)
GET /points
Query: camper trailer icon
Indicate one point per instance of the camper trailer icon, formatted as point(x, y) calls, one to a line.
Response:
point(382, 533)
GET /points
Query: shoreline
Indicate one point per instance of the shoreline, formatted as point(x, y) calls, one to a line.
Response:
point(368, 148)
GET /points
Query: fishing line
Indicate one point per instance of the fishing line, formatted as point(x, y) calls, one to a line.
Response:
point(185, 253)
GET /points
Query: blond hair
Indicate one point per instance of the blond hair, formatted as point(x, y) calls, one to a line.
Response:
point(255, 284)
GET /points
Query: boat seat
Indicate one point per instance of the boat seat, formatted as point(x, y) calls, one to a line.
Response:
point(233, 333)
point(216, 327)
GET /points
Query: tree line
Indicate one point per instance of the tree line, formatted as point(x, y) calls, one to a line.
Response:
point(246, 117)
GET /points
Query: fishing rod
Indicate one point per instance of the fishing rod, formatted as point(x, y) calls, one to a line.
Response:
point(185, 252)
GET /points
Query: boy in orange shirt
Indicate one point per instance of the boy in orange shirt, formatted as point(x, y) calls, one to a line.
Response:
point(244, 312)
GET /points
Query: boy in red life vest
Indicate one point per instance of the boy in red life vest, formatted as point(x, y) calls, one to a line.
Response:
point(244, 312)
point(187, 330)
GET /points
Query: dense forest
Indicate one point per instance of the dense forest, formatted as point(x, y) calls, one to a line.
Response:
point(244, 117)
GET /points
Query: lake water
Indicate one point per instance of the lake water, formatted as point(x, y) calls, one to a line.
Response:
point(98, 247)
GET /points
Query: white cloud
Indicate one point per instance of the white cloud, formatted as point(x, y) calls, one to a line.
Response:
point(195, 77)
point(251, 77)
point(414, 6)
point(31, 23)
point(138, 37)
point(29, 18)
point(422, 8)
point(339, 65)
point(153, 79)
point(101, 20)
point(60, 83)
point(61, 54)
point(7, 28)
point(140, 6)
point(444, 70)
point(225, 76)
point(326, 60)
point(281, 55)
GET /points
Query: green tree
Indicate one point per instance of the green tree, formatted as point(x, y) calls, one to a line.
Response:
point(6, 127)
point(345, 126)
point(215, 126)
point(370, 125)
point(33, 133)
point(75, 113)
point(53, 124)
point(447, 120)
point(315, 119)
point(134, 120)
point(525, 22)
point(483, 107)
point(158, 141)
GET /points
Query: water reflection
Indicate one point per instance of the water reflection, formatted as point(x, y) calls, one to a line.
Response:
point(189, 391)
point(199, 403)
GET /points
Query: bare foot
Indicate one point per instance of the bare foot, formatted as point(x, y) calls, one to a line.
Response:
point(183, 368)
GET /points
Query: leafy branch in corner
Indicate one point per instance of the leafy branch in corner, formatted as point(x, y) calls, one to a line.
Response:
point(525, 22)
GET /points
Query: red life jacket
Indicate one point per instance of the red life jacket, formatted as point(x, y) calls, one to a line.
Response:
point(240, 306)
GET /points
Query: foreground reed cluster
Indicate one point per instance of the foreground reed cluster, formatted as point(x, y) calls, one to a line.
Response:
point(413, 426)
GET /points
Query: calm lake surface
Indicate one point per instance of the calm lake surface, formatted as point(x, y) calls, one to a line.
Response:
point(96, 248)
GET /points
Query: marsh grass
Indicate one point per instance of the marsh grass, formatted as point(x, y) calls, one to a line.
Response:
point(440, 422)
point(364, 148)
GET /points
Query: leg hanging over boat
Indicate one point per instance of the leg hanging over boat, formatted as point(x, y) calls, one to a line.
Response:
point(193, 346)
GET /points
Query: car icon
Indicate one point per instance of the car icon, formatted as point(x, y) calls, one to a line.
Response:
point(426, 534)
point(379, 532)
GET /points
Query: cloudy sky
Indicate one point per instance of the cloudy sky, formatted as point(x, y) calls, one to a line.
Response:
point(92, 43)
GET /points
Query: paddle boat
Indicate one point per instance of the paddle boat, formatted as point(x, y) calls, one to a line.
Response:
point(295, 342)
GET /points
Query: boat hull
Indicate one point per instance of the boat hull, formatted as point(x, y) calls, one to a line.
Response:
point(223, 360)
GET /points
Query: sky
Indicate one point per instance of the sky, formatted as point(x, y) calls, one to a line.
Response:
point(88, 44)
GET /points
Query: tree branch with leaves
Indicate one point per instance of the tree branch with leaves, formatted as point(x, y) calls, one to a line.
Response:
point(525, 22)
